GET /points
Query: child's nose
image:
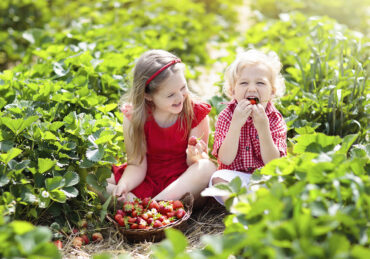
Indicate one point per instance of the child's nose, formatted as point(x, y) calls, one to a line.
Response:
point(180, 96)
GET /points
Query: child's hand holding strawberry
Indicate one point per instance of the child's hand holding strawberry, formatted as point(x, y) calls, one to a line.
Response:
point(197, 149)
point(260, 119)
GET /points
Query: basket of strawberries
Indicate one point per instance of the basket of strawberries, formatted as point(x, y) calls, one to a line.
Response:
point(146, 219)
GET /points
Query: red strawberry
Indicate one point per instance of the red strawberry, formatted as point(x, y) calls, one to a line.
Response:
point(120, 212)
point(145, 216)
point(193, 141)
point(253, 100)
point(180, 213)
point(58, 244)
point(134, 213)
point(157, 224)
point(177, 204)
point(97, 236)
point(162, 218)
point(154, 205)
point(131, 220)
point(134, 226)
point(85, 239)
point(119, 220)
point(146, 201)
point(150, 221)
point(118, 217)
point(171, 214)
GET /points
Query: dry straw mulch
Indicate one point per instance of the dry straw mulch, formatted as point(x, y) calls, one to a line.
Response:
point(205, 220)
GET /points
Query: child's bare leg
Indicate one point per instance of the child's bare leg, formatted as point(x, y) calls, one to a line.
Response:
point(193, 180)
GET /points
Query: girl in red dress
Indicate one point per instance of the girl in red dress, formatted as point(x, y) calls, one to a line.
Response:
point(159, 118)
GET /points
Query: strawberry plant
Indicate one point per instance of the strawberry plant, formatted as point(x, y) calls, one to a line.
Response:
point(314, 203)
point(20, 239)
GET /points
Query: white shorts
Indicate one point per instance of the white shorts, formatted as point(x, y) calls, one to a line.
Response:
point(229, 175)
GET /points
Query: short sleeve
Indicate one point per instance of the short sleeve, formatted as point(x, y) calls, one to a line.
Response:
point(222, 127)
point(278, 130)
point(201, 110)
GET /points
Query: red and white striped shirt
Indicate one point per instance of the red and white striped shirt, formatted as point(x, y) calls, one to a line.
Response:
point(248, 157)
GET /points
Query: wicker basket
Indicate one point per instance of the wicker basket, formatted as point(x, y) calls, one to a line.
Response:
point(156, 234)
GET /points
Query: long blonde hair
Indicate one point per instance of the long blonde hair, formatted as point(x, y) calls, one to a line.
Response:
point(149, 63)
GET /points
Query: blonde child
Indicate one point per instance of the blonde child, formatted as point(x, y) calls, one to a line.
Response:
point(250, 131)
point(159, 117)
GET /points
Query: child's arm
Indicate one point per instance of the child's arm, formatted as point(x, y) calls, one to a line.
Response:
point(194, 153)
point(135, 171)
point(229, 147)
point(269, 151)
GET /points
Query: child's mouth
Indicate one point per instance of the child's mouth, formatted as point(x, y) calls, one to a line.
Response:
point(253, 100)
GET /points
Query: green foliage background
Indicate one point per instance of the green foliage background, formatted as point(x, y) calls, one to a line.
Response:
point(65, 64)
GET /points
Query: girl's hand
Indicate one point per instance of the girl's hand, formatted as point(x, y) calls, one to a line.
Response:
point(241, 113)
point(260, 119)
point(197, 152)
point(120, 191)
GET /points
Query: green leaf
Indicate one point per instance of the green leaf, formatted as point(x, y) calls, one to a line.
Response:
point(315, 143)
point(4, 180)
point(104, 209)
point(10, 155)
point(71, 178)
point(56, 125)
point(104, 139)
point(45, 164)
point(347, 143)
point(21, 227)
point(18, 125)
point(103, 173)
point(107, 108)
point(58, 195)
point(235, 184)
point(93, 181)
point(70, 192)
point(18, 166)
point(49, 136)
point(95, 154)
point(54, 183)
point(178, 240)
point(360, 252)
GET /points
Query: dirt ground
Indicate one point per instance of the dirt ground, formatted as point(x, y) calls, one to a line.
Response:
point(203, 221)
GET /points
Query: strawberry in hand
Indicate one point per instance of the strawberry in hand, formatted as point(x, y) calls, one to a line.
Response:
point(193, 141)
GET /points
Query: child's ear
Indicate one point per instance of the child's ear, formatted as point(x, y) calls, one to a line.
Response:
point(148, 97)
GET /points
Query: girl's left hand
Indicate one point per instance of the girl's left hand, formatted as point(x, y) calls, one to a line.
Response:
point(260, 119)
point(197, 152)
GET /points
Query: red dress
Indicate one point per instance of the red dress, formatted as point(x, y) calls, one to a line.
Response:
point(166, 153)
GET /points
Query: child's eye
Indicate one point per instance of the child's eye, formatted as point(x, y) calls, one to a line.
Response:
point(261, 83)
point(169, 96)
point(244, 83)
